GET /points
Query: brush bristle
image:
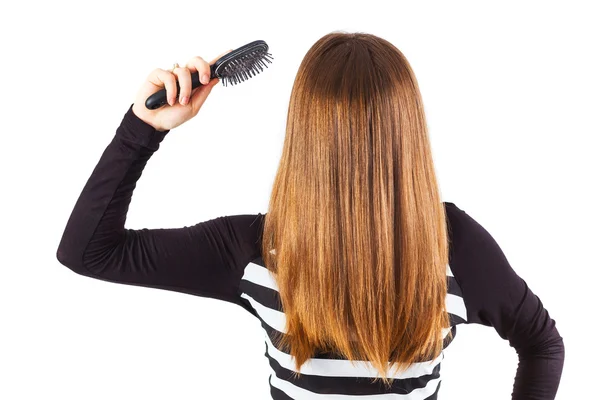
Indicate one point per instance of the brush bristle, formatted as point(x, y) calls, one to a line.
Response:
point(245, 67)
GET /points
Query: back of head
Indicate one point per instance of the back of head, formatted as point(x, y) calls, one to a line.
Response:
point(355, 234)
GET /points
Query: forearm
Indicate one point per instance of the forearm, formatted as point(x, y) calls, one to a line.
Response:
point(540, 369)
point(99, 214)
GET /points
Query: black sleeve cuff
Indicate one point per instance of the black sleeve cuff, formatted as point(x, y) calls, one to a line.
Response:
point(133, 129)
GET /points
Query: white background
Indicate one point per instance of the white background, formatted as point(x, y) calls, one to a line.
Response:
point(511, 91)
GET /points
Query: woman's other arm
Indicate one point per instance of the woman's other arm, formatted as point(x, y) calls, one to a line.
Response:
point(496, 296)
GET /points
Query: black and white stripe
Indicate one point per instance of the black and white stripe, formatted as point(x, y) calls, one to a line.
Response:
point(327, 376)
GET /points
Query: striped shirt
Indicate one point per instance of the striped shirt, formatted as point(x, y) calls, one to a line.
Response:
point(221, 258)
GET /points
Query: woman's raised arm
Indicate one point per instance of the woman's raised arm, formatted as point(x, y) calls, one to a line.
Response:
point(206, 259)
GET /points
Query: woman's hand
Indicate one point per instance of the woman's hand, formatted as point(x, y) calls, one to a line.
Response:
point(179, 109)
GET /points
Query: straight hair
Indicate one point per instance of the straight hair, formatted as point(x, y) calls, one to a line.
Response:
point(355, 235)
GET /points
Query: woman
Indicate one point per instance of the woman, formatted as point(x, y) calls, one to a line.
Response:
point(359, 273)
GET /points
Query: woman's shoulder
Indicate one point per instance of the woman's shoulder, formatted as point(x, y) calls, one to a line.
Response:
point(246, 226)
point(463, 227)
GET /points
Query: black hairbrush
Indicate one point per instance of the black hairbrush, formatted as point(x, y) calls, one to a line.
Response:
point(236, 66)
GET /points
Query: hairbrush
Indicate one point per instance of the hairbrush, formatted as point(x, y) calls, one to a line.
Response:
point(236, 66)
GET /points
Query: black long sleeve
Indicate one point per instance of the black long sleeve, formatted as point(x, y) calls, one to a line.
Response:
point(206, 259)
point(496, 296)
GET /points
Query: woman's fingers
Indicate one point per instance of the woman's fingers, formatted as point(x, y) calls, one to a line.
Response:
point(191, 99)
point(185, 84)
point(200, 93)
point(168, 79)
point(198, 64)
point(162, 78)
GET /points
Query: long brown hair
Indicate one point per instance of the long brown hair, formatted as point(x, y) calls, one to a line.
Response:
point(355, 233)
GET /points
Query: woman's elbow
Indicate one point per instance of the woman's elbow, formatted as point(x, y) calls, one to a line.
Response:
point(67, 255)
point(556, 345)
point(548, 346)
